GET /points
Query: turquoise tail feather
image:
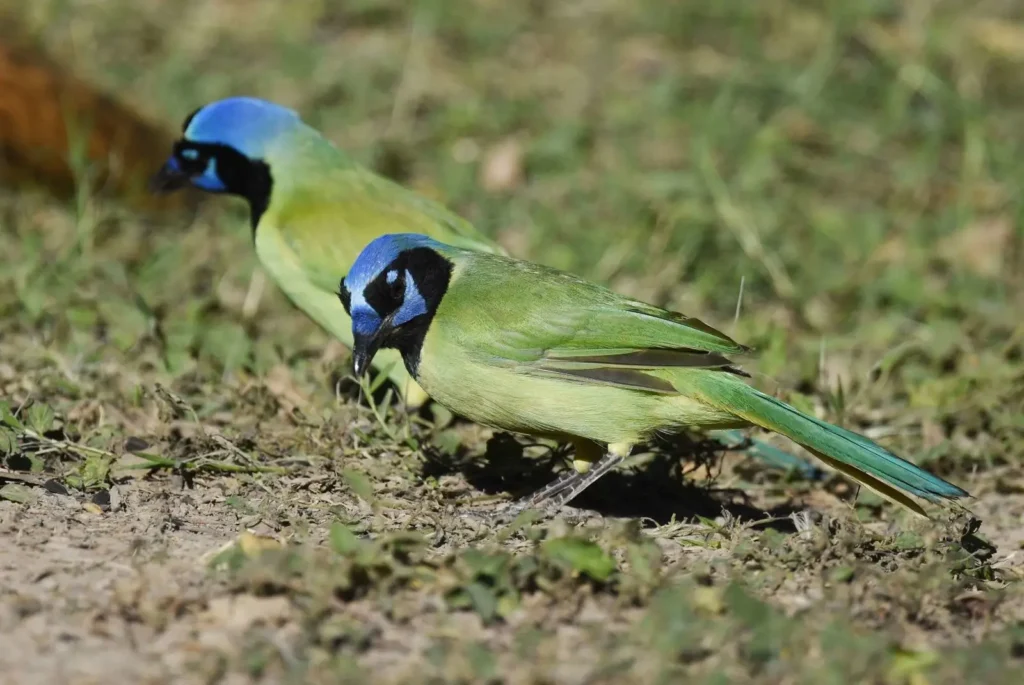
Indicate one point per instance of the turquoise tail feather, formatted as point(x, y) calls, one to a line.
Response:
point(855, 455)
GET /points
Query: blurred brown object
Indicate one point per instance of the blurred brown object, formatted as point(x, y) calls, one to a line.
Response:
point(49, 117)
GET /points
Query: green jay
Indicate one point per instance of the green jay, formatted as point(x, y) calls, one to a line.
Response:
point(534, 350)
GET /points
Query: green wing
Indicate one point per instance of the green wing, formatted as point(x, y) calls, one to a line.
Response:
point(553, 323)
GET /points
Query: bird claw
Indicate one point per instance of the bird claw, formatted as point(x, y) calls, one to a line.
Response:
point(475, 515)
point(498, 516)
point(507, 514)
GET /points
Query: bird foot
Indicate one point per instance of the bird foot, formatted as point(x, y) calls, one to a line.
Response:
point(491, 517)
point(551, 499)
point(507, 514)
point(476, 518)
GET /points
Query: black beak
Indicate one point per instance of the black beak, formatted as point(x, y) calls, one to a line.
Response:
point(363, 352)
point(169, 179)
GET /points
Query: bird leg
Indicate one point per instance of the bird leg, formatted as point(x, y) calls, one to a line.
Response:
point(566, 479)
point(570, 490)
point(568, 485)
point(586, 454)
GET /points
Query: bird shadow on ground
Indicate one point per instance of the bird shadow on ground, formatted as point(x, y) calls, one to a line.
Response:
point(659, 490)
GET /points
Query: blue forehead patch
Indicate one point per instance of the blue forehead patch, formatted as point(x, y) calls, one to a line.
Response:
point(243, 123)
point(378, 254)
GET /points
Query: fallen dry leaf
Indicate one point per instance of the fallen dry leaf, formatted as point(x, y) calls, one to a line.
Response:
point(981, 247)
point(252, 544)
point(999, 37)
point(892, 251)
point(502, 168)
point(282, 386)
point(241, 612)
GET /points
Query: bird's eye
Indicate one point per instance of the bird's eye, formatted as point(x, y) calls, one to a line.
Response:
point(191, 159)
point(396, 285)
point(386, 292)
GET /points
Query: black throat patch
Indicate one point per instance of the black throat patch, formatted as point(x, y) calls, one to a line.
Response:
point(432, 273)
point(247, 178)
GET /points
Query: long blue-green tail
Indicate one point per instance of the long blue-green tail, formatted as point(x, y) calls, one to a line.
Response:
point(854, 455)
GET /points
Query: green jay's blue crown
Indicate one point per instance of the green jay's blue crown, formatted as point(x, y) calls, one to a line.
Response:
point(377, 286)
point(244, 124)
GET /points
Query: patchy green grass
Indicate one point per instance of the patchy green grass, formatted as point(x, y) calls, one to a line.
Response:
point(189, 481)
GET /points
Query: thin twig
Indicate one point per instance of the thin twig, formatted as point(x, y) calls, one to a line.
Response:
point(739, 304)
point(744, 228)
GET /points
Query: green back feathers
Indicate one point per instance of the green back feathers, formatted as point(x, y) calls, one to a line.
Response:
point(552, 322)
point(327, 207)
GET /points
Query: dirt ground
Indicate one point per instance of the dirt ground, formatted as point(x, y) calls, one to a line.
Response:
point(124, 590)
